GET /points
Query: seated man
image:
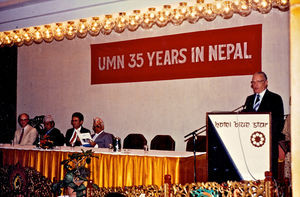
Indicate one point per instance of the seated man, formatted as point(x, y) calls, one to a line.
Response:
point(100, 138)
point(51, 132)
point(72, 138)
point(27, 134)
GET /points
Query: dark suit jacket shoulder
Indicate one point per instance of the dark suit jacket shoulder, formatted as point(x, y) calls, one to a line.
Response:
point(56, 136)
point(273, 103)
point(69, 135)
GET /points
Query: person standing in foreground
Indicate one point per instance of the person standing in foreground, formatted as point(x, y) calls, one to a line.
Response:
point(264, 100)
point(72, 138)
point(27, 134)
point(100, 138)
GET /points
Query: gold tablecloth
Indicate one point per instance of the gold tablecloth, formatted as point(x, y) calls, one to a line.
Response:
point(114, 169)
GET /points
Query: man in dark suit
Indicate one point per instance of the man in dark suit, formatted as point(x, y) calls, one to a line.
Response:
point(52, 133)
point(72, 138)
point(100, 138)
point(264, 100)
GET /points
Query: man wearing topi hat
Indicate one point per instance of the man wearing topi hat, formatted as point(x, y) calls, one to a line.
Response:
point(100, 138)
point(51, 132)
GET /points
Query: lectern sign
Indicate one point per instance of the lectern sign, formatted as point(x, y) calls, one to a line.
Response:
point(212, 53)
point(258, 139)
point(244, 140)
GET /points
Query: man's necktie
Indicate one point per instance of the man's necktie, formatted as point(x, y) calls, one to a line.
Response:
point(22, 133)
point(73, 138)
point(257, 103)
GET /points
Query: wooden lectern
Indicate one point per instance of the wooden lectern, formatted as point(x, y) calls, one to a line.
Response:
point(238, 146)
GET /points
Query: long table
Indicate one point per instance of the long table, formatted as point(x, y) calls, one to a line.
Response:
point(113, 169)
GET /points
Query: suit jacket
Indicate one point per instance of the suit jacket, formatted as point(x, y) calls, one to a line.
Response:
point(56, 136)
point(70, 133)
point(103, 140)
point(29, 135)
point(271, 102)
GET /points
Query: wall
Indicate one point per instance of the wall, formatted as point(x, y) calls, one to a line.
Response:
point(295, 92)
point(55, 79)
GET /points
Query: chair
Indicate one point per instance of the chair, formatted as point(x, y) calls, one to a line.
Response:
point(162, 142)
point(200, 144)
point(134, 141)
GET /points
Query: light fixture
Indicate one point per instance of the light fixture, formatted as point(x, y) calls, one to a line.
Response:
point(1, 39)
point(163, 16)
point(47, 33)
point(200, 6)
point(218, 7)
point(95, 26)
point(70, 30)
point(121, 22)
point(244, 8)
point(135, 19)
point(59, 32)
point(18, 38)
point(82, 28)
point(7, 39)
point(264, 6)
point(37, 35)
point(108, 24)
point(209, 12)
point(282, 4)
point(236, 4)
point(183, 9)
point(193, 14)
point(27, 36)
point(254, 4)
point(149, 18)
point(177, 18)
point(227, 9)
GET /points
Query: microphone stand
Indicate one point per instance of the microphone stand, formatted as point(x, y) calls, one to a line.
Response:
point(194, 134)
point(238, 109)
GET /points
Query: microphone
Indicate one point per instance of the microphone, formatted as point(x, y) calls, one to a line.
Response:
point(239, 109)
point(194, 132)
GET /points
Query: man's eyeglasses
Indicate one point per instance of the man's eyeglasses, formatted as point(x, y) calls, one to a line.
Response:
point(259, 81)
point(98, 126)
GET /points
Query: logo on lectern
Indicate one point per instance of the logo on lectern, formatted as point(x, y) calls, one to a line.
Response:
point(258, 139)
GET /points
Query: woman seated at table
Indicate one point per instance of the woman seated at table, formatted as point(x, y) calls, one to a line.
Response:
point(100, 139)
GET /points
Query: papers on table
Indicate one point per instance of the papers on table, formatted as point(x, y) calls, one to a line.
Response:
point(84, 138)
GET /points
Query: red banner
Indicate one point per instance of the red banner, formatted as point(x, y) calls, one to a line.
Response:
point(213, 53)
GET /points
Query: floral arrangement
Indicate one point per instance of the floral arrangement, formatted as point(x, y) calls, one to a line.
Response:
point(16, 180)
point(45, 142)
point(24, 181)
point(76, 174)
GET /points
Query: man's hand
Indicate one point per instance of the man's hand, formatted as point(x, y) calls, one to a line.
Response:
point(92, 143)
